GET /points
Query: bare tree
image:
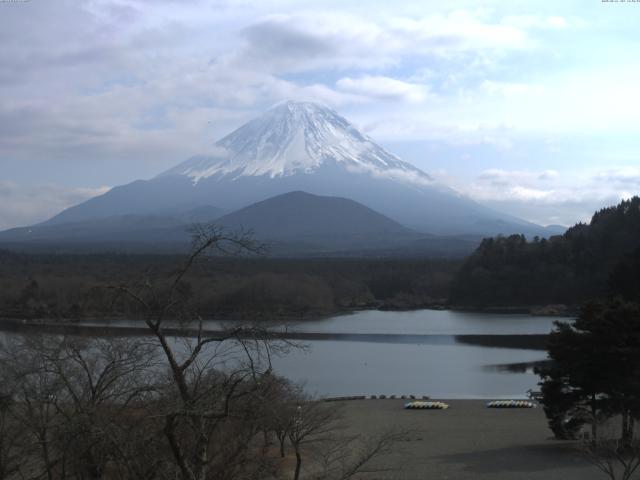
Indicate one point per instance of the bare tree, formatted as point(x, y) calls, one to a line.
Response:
point(278, 410)
point(210, 378)
point(184, 404)
point(70, 395)
point(313, 422)
point(11, 438)
point(315, 429)
point(617, 458)
point(349, 456)
point(34, 391)
point(103, 380)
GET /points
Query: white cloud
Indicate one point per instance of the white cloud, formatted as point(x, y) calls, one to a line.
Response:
point(498, 177)
point(621, 176)
point(22, 205)
point(515, 185)
point(585, 102)
point(548, 196)
point(459, 30)
point(128, 83)
point(384, 88)
point(536, 21)
point(510, 89)
point(134, 82)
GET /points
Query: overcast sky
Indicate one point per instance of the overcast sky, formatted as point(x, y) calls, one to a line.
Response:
point(530, 107)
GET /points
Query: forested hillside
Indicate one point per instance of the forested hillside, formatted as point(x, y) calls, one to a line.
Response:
point(585, 262)
point(76, 286)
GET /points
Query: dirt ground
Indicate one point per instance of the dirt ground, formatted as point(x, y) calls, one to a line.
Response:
point(468, 441)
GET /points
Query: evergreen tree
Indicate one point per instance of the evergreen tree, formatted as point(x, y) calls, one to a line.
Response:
point(595, 368)
point(568, 269)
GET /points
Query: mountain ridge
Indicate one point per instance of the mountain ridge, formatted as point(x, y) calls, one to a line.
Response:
point(292, 224)
point(303, 147)
point(301, 214)
point(295, 137)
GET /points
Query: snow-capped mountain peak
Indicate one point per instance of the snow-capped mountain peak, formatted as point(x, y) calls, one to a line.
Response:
point(297, 138)
point(300, 147)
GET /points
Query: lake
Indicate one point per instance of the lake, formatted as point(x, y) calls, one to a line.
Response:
point(439, 353)
point(434, 360)
point(412, 322)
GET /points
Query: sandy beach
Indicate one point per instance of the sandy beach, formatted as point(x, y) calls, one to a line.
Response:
point(469, 441)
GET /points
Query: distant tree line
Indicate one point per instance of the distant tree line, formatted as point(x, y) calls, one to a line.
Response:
point(71, 287)
point(567, 269)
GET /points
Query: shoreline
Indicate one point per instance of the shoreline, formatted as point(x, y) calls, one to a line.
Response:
point(517, 341)
point(467, 441)
point(257, 317)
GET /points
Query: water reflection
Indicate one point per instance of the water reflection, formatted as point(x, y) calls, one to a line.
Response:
point(519, 367)
point(447, 370)
point(443, 354)
point(417, 322)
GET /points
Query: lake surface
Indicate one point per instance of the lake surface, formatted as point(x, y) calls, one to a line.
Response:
point(414, 322)
point(423, 352)
point(433, 361)
point(430, 322)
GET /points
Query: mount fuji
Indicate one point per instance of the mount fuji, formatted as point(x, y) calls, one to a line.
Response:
point(299, 146)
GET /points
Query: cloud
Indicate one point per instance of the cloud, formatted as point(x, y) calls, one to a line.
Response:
point(515, 186)
point(278, 42)
point(500, 177)
point(312, 41)
point(383, 88)
point(22, 205)
point(549, 196)
point(135, 86)
point(414, 176)
point(317, 39)
point(554, 22)
point(458, 31)
point(510, 89)
point(125, 81)
point(622, 176)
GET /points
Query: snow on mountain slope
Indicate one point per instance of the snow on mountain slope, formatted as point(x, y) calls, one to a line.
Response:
point(294, 138)
point(303, 147)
